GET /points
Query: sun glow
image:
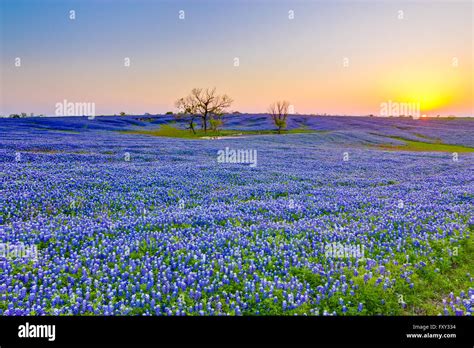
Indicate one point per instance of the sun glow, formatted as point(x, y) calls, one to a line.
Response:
point(433, 88)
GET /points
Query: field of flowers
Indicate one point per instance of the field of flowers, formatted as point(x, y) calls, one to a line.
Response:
point(128, 224)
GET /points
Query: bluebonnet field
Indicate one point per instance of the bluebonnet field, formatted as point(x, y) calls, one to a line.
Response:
point(134, 224)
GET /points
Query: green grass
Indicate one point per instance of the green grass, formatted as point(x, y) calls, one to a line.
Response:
point(431, 139)
point(174, 132)
point(432, 283)
point(411, 145)
point(431, 287)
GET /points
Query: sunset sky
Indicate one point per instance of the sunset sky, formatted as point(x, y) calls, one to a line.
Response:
point(426, 57)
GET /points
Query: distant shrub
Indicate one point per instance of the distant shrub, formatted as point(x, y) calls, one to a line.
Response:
point(21, 115)
point(215, 123)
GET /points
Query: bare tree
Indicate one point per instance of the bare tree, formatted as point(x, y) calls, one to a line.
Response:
point(187, 109)
point(207, 105)
point(279, 113)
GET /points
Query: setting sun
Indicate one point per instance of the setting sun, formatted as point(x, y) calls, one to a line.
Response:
point(432, 88)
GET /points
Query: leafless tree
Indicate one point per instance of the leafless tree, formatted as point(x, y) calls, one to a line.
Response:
point(206, 104)
point(187, 109)
point(279, 113)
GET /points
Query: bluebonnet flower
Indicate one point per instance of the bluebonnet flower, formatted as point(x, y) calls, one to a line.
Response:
point(235, 239)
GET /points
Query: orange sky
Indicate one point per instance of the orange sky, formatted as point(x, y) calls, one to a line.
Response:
point(425, 57)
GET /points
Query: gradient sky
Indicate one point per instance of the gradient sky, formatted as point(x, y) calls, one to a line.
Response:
point(300, 60)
